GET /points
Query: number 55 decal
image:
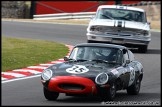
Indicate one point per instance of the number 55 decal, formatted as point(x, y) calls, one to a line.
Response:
point(132, 76)
point(77, 69)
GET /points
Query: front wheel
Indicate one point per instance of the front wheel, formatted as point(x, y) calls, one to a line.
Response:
point(49, 95)
point(134, 88)
point(110, 94)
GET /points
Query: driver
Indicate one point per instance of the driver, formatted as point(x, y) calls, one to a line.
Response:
point(113, 56)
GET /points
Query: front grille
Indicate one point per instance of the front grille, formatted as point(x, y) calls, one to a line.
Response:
point(119, 31)
point(119, 34)
point(71, 86)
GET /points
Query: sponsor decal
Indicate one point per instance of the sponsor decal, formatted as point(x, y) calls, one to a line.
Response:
point(77, 69)
point(114, 71)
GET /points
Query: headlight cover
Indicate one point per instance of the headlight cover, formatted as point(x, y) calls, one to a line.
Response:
point(96, 28)
point(101, 78)
point(145, 33)
point(46, 74)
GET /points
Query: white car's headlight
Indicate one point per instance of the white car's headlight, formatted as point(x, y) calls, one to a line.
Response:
point(47, 74)
point(92, 28)
point(96, 28)
point(101, 78)
point(145, 32)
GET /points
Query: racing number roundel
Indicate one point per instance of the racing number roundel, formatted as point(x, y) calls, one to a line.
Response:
point(132, 76)
point(77, 69)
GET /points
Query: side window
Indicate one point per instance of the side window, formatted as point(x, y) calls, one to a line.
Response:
point(73, 53)
point(119, 57)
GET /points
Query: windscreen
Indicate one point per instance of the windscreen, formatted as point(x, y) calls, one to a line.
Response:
point(120, 14)
point(96, 53)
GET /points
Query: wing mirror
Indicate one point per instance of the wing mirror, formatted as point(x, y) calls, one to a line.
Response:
point(149, 23)
point(124, 51)
point(127, 61)
point(66, 58)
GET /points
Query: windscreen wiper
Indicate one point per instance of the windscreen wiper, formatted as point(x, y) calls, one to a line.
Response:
point(71, 59)
point(104, 61)
point(107, 16)
point(77, 60)
point(81, 60)
point(128, 19)
point(100, 60)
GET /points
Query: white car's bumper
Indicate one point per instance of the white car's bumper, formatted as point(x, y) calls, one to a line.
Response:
point(119, 39)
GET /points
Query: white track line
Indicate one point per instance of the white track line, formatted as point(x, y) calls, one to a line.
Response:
point(46, 64)
point(61, 59)
point(21, 78)
point(26, 70)
point(13, 74)
point(2, 78)
point(39, 67)
point(44, 22)
point(56, 62)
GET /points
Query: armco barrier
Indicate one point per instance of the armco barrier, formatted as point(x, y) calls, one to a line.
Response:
point(80, 15)
point(151, 10)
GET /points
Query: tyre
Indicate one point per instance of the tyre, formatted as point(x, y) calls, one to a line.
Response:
point(134, 88)
point(110, 94)
point(142, 49)
point(49, 95)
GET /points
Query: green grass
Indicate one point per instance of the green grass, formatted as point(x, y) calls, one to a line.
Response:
point(18, 53)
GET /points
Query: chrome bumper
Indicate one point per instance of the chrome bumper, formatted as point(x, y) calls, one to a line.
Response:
point(119, 39)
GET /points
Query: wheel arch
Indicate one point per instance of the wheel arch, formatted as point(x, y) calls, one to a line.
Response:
point(119, 83)
point(140, 77)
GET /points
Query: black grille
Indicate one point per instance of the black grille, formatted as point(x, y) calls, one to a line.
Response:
point(71, 86)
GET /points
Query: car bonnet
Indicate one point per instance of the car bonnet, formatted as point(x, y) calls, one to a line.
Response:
point(126, 24)
point(83, 69)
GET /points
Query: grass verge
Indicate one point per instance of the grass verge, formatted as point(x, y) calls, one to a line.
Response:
point(18, 53)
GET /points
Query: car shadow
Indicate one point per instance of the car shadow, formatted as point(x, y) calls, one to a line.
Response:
point(76, 99)
point(154, 51)
point(140, 97)
point(120, 96)
point(149, 51)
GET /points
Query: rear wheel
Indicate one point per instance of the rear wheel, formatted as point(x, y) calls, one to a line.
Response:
point(134, 88)
point(143, 49)
point(110, 94)
point(49, 95)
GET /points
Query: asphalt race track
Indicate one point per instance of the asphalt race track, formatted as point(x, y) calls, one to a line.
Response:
point(29, 92)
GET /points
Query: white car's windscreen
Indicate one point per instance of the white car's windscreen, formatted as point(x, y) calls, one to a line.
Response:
point(121, 14)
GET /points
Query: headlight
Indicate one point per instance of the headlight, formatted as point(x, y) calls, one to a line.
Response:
point(96, 28)
point(145, 32)
point(101, 78)
point(47, 74)
point(92, 28)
